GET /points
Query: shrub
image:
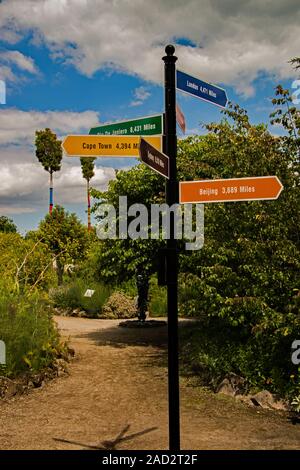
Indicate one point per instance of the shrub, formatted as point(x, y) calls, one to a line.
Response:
point(245, 334)
point(72, 297)
point(119, 305)
point(28, 330)
point(25, 263)
point(216, 348)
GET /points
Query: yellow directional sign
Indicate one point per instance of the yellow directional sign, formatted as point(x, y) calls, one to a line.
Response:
point(106, 145)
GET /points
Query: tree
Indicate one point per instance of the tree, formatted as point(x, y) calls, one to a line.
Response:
point(245, 280)
point(49, 154)
point(296, 62)
point(119, 259)
point(65, 236)
point(87, 167)
point(288, 116)
point(251, 249)
point(7, 225)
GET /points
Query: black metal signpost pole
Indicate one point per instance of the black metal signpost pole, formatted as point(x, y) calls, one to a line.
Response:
point(170, 149)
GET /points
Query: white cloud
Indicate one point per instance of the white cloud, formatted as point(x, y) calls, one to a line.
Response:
point(9, 35)
point(7, 74)
point(18, 209)
point(234, 40)
point(24, 183)
point(23, 62)
point(70, 185)
point(11, 59)
point(141, 94)
point(18, 127)
point(25, 186)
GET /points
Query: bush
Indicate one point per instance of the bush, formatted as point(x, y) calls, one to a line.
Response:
point(72, 297)
point(215, 349)
point(25, 263)
point(244, 333)
point(30, 335)
point(119, 305)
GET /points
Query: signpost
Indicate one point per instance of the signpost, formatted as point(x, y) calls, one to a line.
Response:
point(203, 90)
point(149, 125)
point(124, 139)
point(170, 149)
point(257, 188)
point(156, 160)
point(106, 146)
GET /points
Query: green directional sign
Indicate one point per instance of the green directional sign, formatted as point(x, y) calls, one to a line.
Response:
point(149, 125)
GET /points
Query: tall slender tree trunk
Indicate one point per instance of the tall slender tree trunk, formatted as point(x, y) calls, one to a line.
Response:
point(88, 204)
point(51, 193)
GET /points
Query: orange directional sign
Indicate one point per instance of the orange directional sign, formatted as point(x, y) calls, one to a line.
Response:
point(230, 190)
point(106, 145)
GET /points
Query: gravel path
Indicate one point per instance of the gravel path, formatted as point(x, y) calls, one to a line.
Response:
point(118, 386)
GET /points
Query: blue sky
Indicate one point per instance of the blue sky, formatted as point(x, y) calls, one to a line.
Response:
point(71, 82)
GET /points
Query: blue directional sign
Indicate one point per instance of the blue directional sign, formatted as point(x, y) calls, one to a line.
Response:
point(203, 90)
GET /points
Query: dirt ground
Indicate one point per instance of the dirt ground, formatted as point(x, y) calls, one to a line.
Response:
point(115, 397)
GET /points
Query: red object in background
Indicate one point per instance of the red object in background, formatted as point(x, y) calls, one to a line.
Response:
point(180, 118)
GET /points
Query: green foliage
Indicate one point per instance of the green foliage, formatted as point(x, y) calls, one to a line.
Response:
point(7, 225)
point(157, 299)
point(216, 349)
point(71, 297)
point(129, 287)
point(25, 264)
point(63, 233)
point(87, 167)
point(119, 305)
point(296, 403)
point(31, 339)
point(287, 116)
point(48, 150)
point(117, 260)
point(87, 268)
point(245, 281)
point(65, 237)
point(251, 250)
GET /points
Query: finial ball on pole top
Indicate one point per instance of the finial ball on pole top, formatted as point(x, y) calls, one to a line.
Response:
point(170, 49)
